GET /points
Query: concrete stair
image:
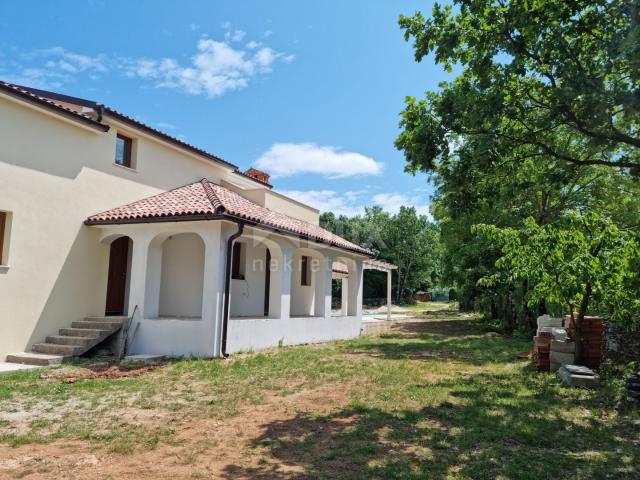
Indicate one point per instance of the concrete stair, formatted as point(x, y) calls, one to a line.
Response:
point(70, 342)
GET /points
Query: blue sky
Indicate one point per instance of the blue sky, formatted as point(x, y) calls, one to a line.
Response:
point(310, 91)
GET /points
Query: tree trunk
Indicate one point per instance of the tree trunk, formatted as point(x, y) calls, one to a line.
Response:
point(528, 314)
point(511, 320)
point(494, 309)
point(577, 323)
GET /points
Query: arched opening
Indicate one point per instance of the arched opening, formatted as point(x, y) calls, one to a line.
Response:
point(181, 276)
point(118, 277)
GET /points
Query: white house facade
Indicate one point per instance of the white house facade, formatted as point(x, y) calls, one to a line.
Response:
point(104, 218)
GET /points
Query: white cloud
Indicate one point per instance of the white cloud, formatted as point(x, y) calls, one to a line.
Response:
point(194, 26)
point(216, 69)
point(253, 45)
point(352, 203)
point(391, 202)
point(267, 34)
point(327, 201)
point(72, 62)
point(287, 159)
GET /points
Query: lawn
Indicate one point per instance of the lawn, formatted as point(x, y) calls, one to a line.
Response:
point(438, 397)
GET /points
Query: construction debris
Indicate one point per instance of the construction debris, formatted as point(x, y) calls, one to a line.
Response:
point(578, 376)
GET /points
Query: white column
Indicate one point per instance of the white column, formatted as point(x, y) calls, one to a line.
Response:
point(323, 288)
point(389, 273)
point(355, 290)
point(138, 282)
point(213, 286)
point(345, 296)
point(280, 307)
point(153, 280)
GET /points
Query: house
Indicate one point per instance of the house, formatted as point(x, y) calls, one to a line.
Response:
point(103, 217)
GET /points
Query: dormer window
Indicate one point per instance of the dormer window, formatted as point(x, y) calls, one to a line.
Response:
point(124, 147)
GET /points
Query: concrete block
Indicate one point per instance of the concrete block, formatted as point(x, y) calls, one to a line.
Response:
point(547, 321)
point(563, 347)
point(553, 366)
point(561, 358)
point(578, 376)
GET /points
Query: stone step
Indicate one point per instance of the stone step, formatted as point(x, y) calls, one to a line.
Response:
point(113, 319)
point(95, 333)
point(30, 358)
point(98, 325)
point(54, 349)
point(86, 342)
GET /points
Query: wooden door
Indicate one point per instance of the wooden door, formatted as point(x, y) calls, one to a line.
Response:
point(117, 281)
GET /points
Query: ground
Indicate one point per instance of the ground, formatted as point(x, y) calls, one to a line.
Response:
point(437, 397)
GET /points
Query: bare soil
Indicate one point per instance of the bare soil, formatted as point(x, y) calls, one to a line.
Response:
point(202, 448)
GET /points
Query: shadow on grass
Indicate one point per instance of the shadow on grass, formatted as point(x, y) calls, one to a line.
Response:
point(494, 426)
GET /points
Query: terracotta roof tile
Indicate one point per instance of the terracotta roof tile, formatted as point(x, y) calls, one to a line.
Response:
point(204, 198)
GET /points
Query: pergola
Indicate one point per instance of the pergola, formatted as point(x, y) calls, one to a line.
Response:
point(340, 271)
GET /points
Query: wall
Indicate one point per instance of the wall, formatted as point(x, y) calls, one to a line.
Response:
point(247, 296)
point(53, 174)
point(258, 334)
point(279, 203)
point(182, 276)
point(174, 338)
point(302, 296)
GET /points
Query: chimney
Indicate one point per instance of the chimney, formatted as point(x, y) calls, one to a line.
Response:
point(258, 175)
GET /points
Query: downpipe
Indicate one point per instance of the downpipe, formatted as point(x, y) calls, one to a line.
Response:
point(227, 287)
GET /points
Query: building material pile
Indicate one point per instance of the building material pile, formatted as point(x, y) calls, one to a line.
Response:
point(632, 388)
point(592, 333)
point(550, 332)
point(578, 376)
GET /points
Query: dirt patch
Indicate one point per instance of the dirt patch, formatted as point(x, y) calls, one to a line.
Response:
point(201, 448)
point(110, 371)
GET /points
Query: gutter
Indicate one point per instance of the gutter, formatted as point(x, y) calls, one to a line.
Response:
point(227, 286)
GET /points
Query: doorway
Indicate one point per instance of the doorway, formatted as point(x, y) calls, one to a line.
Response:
point(118, 275)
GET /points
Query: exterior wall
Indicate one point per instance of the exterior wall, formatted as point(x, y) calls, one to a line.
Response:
point(258, 334)
point(182, 276)
point(53, 174)
point(279, 203)
point(302, 296)
point(247, 296)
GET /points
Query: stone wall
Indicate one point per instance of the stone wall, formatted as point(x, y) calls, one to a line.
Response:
point(620, 343)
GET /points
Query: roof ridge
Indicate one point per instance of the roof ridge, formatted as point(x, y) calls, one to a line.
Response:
point(216, 203)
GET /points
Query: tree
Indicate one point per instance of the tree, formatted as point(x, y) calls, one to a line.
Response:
point(583, 261)
point(405, 239)
point(552, 78)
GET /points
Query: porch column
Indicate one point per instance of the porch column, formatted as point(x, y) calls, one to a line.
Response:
point(213, 286)
point(281, 277)
point(344, 291)
point(389, 276)
point(323, 288)
point(138, 282)
point(355, 290)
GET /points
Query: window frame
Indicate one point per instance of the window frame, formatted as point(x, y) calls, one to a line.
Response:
point(237, 270)
point(305, 273)
point(127, 153)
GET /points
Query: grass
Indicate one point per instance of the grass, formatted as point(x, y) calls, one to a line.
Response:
point(437, 398)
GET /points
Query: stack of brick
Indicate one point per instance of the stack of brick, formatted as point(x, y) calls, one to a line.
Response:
point(592, 333)
point(541, 344)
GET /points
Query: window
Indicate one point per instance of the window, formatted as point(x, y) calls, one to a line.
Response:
point(4, 233)
point(123, 151)
point(237, 267)
point(305, 271)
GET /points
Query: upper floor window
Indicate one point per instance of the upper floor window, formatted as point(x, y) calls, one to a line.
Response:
point(4, 237)
point(124, 147)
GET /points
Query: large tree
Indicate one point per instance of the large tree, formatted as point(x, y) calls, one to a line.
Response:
point(560, 78)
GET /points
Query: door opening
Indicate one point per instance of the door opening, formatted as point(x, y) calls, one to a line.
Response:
point(118, 273)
